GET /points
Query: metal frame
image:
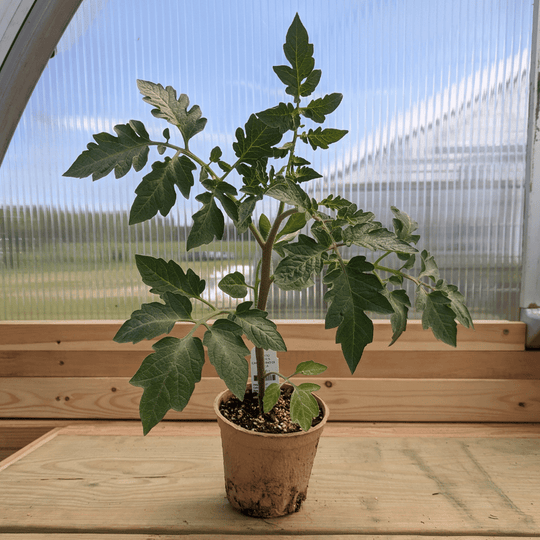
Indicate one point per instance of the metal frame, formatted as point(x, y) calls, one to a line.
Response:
point(30, 31)
point(530, 280)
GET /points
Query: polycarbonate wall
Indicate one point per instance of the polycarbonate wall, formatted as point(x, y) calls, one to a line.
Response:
point(435, 100)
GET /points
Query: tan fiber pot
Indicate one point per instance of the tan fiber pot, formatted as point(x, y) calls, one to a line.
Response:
point(267, 475)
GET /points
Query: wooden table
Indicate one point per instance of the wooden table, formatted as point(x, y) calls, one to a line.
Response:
point(106, 481)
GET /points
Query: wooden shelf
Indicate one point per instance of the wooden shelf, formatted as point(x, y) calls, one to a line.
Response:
point(106, 480)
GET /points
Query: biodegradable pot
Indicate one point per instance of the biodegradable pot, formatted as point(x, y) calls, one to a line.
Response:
point(266, 474)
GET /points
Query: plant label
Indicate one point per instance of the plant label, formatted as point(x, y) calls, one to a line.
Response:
point(271, 363)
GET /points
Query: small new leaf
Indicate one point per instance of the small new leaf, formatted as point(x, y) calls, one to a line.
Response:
point(215, 154)
point(319, 108)
point(260, 330)
point(322, 138)
point(227, 353)
point(264, 226)
point(271, 396)
point(234, 285)
point(309, 368)
point(175, 111)
point(305, 174)
point(168, 377)
point(295, 223)
point(304, 406)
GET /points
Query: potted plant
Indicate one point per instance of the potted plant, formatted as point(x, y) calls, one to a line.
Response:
point(267, 163)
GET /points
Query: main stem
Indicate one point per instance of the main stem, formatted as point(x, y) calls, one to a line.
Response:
point(265, 283)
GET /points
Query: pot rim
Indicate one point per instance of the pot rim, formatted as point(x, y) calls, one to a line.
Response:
point(222, 395)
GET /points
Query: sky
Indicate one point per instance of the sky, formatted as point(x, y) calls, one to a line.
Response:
point(386, 57)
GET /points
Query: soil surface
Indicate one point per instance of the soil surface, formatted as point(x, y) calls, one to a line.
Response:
point(246, 414)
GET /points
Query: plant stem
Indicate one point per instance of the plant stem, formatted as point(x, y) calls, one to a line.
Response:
point(265, 282)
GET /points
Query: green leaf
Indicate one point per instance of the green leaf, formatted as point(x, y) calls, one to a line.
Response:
point(271, 397)
point(319, 108)
point(260, 330)
point(256, 142)
point(234, 285)
point(166, 277)
point(439, 316)
point(299, 53)
point(429, 267)
point(208, 223)
point(264, 226)
point(352, 292)
point(283, 117)
point(309, 368)
point(304, 406)
point(457, 305)
point(409, 263)
point(290, 193)
point(154, 319)
point(405, 226)
point(335, 203)
point(215, 154)
point(295, 271)
point(120, 153)
point(245, 211)
point(400, 303)
point(156, 191)
point(311, 82)
point(375, 238)
point(168, 377)
point(321, 138)
point(295, 223)
point(227, 353)
point(305, 174)
point(175, 111)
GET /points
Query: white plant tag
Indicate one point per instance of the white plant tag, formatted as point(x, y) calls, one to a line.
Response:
point(271, 363)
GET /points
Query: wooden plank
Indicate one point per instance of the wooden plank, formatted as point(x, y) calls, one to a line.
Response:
point(105, 536)
point(421, 400)
point(332, 429)
point(19, 433)
point(28, 449)
point(449, 363)
point(360, 486)
point(299, 335)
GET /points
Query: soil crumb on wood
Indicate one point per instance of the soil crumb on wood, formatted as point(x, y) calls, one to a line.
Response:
point(246, 414)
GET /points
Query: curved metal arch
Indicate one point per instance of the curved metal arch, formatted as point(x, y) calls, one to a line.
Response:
point(29, 33)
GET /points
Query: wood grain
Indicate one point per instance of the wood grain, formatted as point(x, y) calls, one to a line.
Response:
point(299, 335)
point(360, 486)
point(105, 536)
point(448, 363)
point(413, 400)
